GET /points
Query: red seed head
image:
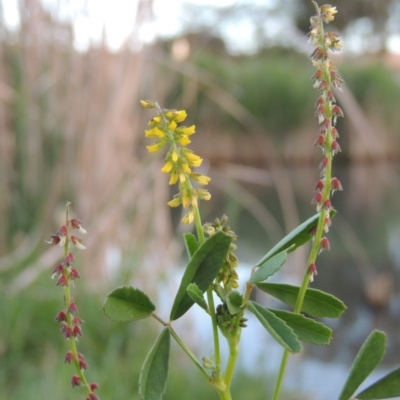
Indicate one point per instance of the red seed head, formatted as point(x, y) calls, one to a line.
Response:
point(69, 357)
point(76, 381)
point(61, 316)
point(324, 245)
point(73, 309)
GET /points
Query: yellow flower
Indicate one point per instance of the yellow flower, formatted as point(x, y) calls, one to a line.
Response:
point(167, 167)
point(155, 147)
point(186, 169)
point(174, 156)
point(193, 201)
point(183, 140)
point(154, 133)
point(182, 178)
point(175, 202)
point(173, 178)
point(185, 200)
point(155, 120)
point(186, 130)
point(188, 218)
point(193, 159)
point(203, 194)
point(201, 179)
point(147, 103)
point(181, 116)
point(172, 125)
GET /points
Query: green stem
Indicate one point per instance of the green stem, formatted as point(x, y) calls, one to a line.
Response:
point(217, 351)
point(233, 354)
point(188, 352)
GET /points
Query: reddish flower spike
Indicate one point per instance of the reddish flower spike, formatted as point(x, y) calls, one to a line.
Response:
point(69, 357)
point(61, 316)
point(335, 147)
point(73, 309)
point(324, 163)
point(92, 396)
point(77, 331)
point(73, 274)
point(59, 269)
point(93, 386)
point(77, 242)
point(317, 199)
point(319, 187)
point(327, 205)
point(63, 231)
point(69, 259)
point(77, 224)
point(336, 185)
point(76, 381)
point(62, 281)
point(324, 245)
point(327, 224)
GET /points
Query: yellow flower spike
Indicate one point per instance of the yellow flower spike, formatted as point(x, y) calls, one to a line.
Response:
point(193, 201)
point(147, 103)
point(185, 200)
point(155, 147)
point(171, 114)
point(174, 156)
point(173, 179)
point(172, 125)
point(203, 194)
point(167, 168)
point(181, 116)
point(186, 169)
point(193, 159)
point(175, 202)
point(155, 120)
point(186, 130)
point(184, 140)
point(201, 179)
point(154, 133)
point(182, 178)
point(188, 218)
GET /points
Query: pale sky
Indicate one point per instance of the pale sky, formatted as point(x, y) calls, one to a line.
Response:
point(116, 18)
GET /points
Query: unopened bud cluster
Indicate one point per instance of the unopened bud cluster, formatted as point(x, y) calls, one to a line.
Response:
point(179, 161)
point(227, 275)
point(327, 111)
point(70, 324)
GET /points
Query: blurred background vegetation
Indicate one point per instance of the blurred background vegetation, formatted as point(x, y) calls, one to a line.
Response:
point(71, 130)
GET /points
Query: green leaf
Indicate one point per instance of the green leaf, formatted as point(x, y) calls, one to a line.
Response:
point(201, 270)
point(234, 301)
point(269, 267)
point(368, 358)
point(278, 328)
point(197, 296)
point(306, 329)
point(127, 304)
point(154, 372)
point(386, 388)
point(294, 239)
point(191, 244)
point(316, 303)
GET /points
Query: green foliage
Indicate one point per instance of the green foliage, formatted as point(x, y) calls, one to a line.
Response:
point(296, 238)
point(269, 267)
point(154, 373)
point(201, 270)
point(197, 296)
point(368, 358)
point(306, 329)
point(316, 303)
point(127, 304)
point(277, 327)
point(385, 388)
